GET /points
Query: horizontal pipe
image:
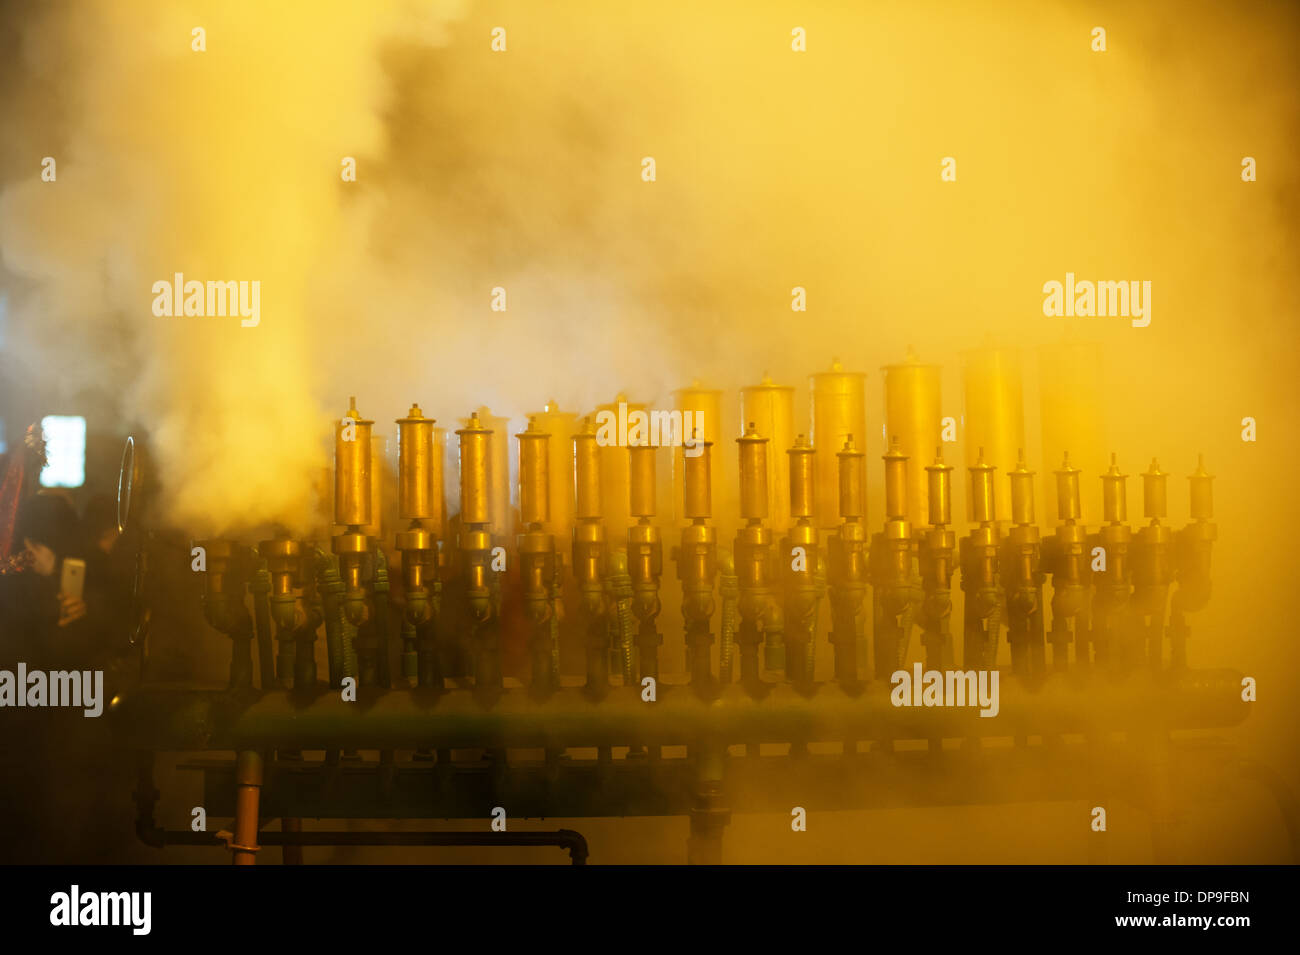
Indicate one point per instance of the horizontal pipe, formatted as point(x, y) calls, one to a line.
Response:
point(568, 839)
point(159, 719)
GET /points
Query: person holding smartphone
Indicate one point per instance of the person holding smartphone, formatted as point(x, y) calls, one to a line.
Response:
point(43, 608)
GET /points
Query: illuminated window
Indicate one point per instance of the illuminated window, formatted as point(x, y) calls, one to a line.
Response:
point(65, 451)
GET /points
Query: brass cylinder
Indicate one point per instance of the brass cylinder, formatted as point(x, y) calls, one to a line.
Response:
point(839, 410)
point(380, 477)
point(771, 409)
point(697, 483)
point(983, 501)
point(753, 474)
point(586, 464)
point(1155, 492)
point(352, 459)
point(939, 490)
point(705, 406)
point(994, 406)
point(474, 463)
point(414, 464)
point(852, 481)
point(1022, 492)
point(803, 479)
point(1114, 496)
point(561, 426)
point(626, 424)
point(895, 482)
point(1071, 400)
point(498, 471)
point(913, 416)
point(534, 475)
point(641, 494)
point(1068, 505)
point(1202, 491)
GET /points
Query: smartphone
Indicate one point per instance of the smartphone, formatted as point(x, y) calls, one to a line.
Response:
point(74, 578)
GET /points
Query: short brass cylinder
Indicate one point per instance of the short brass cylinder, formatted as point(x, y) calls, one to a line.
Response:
point(475, 507)
point(803, 479)
point(753, 474)
point(771, 409)
point(1071, 416)
point(1114, 495)
point(414, 465)
point(498, 471)
point(641, 483)
point(561, 426)
point(1022, 493)
point(838, 412)
point(1202, 491)
point(534, 475)
point(629, 426)
point(706, 422)
point(983, 501)
point(697, 483)
point(895, 482)
point(352, 504)
point(586, 467)
point(912, 415)
point(852, 481)
point(1155, 492)
point(939, 490)
point(1068, 505)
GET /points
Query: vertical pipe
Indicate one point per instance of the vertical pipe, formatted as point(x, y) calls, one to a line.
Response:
point(248, 787)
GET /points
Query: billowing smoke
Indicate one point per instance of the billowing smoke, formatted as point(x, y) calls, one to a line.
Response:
point(216, 155)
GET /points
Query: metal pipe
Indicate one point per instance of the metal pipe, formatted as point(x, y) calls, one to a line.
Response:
point(192, 720)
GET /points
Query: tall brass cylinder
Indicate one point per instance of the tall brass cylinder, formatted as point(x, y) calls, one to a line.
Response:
point(913, 416)
point(839, 410)
point(1022, 492)
point(352, 461)
point(380, 477)
point(994, 407)
point(1202, 491)
point(1068, 505)
point(1114, 495)
point(1155, 492)
point(851, 484)
point(641, 493)
point(414, 466)
point(939, 490)
point(770, 408)
point(561, 426)
point(498, 471)
point(586, 464)
point(705, 405)
point(475, 452)
point(753, 474)
point(1069, 387)
point(534, 475)
point(803, 479)
point(983, 499)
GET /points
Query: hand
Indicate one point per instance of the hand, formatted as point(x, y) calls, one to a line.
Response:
point(70, 609)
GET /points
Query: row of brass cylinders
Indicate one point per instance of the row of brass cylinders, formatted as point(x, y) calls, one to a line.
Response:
point(419, 475)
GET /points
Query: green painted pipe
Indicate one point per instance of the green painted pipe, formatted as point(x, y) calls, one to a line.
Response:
point(392, 719)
